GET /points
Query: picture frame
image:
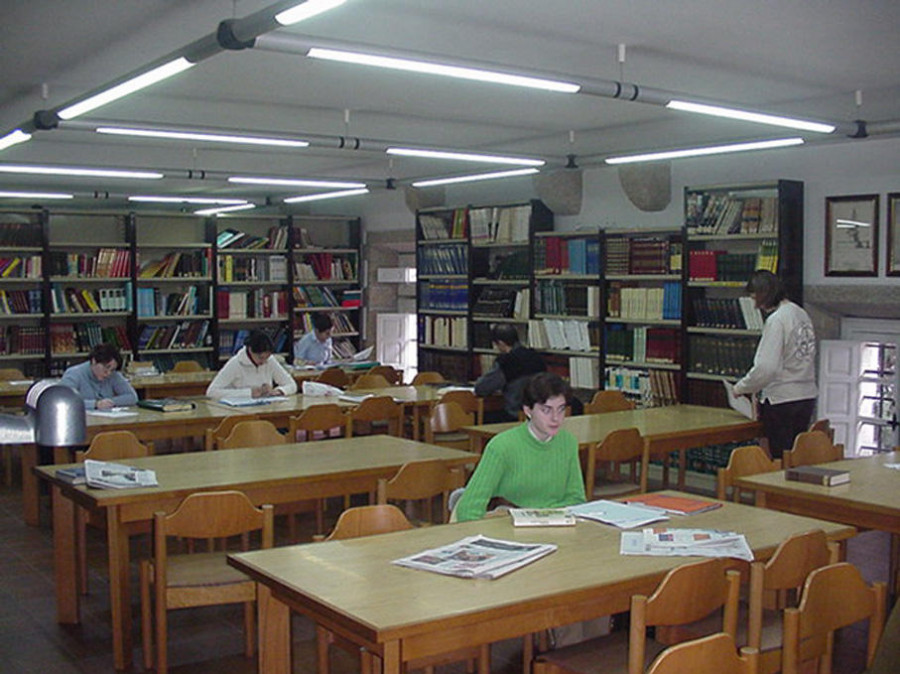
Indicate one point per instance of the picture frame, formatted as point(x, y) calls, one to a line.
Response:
point(892, 265)
point(851, 235)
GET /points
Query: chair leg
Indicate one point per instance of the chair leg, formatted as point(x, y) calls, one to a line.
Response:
point(81, 545)
point(146, 620)
point(162, 637)
point(250, 628)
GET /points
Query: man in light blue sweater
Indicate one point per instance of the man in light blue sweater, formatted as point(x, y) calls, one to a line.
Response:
point(98, 382)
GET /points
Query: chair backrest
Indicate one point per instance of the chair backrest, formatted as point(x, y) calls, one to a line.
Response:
point(333, 376)
point(318, 422)
point(713, 654)
point(834, 596)
point(214, 436)
point(688, 593)
point(136, 365)
point(620, 446)
point(423, 378)
point(422, 481)
point(468, 401)
point(11, 374)
point(187, 366)
point(810, 448)
point(256, 433)
point(608, 401)
point(392, 375)
point(369, 521)
point(823, 425)
point(378, 408)
point(370, 381)
point(115, 446)
point(744, 461)
point(447, 418)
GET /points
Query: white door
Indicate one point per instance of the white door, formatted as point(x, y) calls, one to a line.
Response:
point(839, 388)
point(395, 342)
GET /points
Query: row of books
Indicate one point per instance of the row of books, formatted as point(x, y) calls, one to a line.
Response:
point(449, 225)
point(733, 313)
point(444, 295)
point(343, 349)
point(83, 336)
point(25, 340)
point(256, 303)
point(500, 225)
point(184, 335)
point(234, 238)
point(178, 264)
point(643, 255)
point(325, 267)
point(234, 268)
point(314, 296)
point(499, 302)
point(722, 214)
point(105, 263)
point(565, 255)
point(584, 373)
point(28, 266)
point(643, 344)
point(650, 388)
point(726, 356)
point(341, 322)
point(720, 265)
point(561, 298)
point(192, 301)
point(557, 334)
point(69, 300)
point(644, 303)
point(231, 341)
point(20, 234)
point(444, 331)
point(443, 259)
point(21, 301)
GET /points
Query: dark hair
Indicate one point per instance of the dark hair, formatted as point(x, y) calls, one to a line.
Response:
point(543, 386)
point(103, 353)
point(767, 287)
point(322, 322)
point(258, 342)
point(506, 333)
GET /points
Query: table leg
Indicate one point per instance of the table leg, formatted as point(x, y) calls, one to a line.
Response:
point(274, 633)
point(390, 660)
point(119, 588)
point(31, 497)
point(65, 558)
point(682, 468)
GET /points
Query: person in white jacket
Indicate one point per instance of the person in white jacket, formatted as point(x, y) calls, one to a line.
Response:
point(253, 372)
point(784, 367)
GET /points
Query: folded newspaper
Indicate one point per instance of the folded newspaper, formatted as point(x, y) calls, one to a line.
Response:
point(666, 542)
point(618, 514)
point(108, 475)
point(477, 557)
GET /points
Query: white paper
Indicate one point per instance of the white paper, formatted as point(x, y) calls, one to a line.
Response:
point(742, 404)
point(363, 355)
point(317, 388)
point(250, 402)
point(618, 514)
point(114, 412)
point(666, 542)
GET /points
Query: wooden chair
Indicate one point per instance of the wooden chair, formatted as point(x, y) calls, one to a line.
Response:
point(214, 436)
point(687, 594)
point(255, 433)
point(373, 415)
point(367, 380)
point(622, 446)
point(444, 424)
point(333, 376)
point(106, 446)
point(11, 374)
point(823, 425)
point(203, 579)
point(888, 654)
point(422, 481)
point(714, 654)
point(423, 378)
point(393, 376)
point(743, 462)
point(608, 401)
point(188, 366)
point(468, 401)
point(834, 596)
point(810, 448)
point(138, 365)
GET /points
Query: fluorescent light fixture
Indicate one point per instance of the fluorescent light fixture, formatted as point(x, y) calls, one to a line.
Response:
point(225, 209)
point(35, 195)
point(732, 113)
point(474, 177)
point(206, 137)
point(464, 156)
point(291, 182)
point(840, 223)
point(306, 10)
point(79, 172)
point(410, 65)
point(703, 151)
point(125, 88)
point(187, 200)
point(14, 138)
point(326, 195)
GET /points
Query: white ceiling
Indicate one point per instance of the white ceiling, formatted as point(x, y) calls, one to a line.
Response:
point(800, 58)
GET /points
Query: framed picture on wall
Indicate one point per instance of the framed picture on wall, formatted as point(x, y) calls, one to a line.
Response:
point(851, 235)
point(893, 243)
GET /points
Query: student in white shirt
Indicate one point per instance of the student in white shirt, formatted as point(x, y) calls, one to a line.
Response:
point(253, 372)
point(314, 348)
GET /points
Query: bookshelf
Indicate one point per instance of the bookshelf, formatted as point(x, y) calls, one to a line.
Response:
point(730, 231)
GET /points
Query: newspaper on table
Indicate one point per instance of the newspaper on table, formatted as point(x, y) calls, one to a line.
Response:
point(252, 402)
point(114, 412)
point(108, 475)
point(665, 542)
point(318, 388)
point(622, 515)
point(477, 557)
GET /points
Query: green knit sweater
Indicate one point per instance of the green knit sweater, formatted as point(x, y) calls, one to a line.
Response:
point(531, 474)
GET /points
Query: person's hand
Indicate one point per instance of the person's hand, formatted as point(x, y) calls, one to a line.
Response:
point(261, 391)
point(104, 404)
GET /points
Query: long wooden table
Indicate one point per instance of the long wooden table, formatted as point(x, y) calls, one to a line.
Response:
point(408, 613)
point(665, 429)
point(279, 474)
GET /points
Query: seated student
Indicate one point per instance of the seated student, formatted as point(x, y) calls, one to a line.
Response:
point(253, 372)
point(98, 382)
point(314, 348)
point(535, 464)
point(510, 372)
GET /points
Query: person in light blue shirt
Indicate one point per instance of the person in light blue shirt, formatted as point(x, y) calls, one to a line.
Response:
point(98, 382)
point(314, 348)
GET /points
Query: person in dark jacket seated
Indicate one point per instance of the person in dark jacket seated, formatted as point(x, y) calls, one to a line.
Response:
point(511, 371)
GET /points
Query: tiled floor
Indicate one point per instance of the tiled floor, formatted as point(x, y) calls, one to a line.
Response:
point(209, 640)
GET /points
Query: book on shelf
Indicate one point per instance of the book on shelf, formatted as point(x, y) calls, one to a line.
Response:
point(828, 477)
point(541, 517)
point(166, 404)
point(477, 557)
point(677, 505)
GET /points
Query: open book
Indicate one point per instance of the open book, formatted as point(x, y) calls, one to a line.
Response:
point(477, 557)
point(251, 402)
point(541, 517)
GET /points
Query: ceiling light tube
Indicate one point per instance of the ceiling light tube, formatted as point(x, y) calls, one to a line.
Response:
point(290, 182)
point(127, 87)
point(326, 195)
point(464, 156)
point(306, 10)
point(460, 72)
point(79, 172)
point(225, 209)
point(206, 137)
point(744, 115)
point(186, 200)
point(35, 195)
point(704, 151)
point(14, 138)
point(475, 177)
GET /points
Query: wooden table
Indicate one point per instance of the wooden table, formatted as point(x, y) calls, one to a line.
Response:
point(279, 474)
point(665, 429)
point(408, 613)
point(413, 399)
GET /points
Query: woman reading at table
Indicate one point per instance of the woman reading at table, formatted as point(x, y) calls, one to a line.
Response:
point(253, 372)
point(535, 464)
point(98, 382)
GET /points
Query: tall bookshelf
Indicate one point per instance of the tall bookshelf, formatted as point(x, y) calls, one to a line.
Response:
point(730, 231)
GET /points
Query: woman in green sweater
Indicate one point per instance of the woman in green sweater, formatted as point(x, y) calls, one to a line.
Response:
point(534, 465)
